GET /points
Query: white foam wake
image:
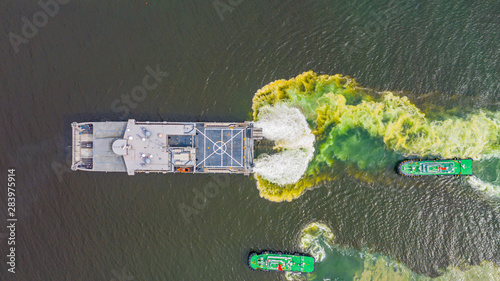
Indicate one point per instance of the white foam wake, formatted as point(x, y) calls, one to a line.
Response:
point(314, 238)
point(288, 128)
point(487, 187)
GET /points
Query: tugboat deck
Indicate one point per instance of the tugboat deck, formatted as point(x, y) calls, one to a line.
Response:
point(281, 262)
point(456, 167)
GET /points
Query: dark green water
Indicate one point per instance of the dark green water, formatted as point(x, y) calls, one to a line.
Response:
point(92, 226)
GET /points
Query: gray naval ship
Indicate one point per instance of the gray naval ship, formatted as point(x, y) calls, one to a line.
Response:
point(164, 147)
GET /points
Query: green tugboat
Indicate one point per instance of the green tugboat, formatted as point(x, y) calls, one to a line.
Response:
point(415, 168)
point(281, 262)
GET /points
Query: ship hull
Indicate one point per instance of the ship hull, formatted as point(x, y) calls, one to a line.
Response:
point(164, 147)
point(281, 262)
point(455, 167)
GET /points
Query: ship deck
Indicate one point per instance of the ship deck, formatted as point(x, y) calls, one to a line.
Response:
point(164, 147)
point(222, 147)
point(437, 167)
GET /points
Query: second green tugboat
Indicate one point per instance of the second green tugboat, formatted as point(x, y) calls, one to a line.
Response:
point(281, 262)
point(457, 167)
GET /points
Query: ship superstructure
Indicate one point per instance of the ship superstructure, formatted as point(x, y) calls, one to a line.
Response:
point(164, 147)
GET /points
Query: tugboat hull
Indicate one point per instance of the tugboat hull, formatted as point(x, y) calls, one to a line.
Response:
point(456, 167)
point(281, 262)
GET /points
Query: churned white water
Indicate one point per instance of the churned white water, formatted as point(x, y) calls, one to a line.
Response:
point(288, 128)
point(484, 186)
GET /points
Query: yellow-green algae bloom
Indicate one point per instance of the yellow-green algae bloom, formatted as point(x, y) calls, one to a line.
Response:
point(336, 262)
point(356, 124)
